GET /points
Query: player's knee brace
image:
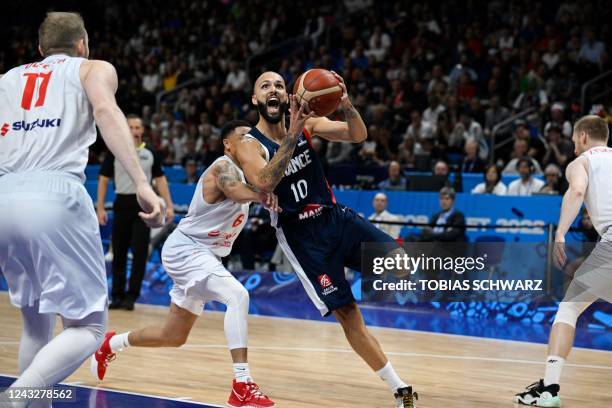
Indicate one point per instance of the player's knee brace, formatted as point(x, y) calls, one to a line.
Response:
point(569, 312)
point(237, 301)
point(238, 298)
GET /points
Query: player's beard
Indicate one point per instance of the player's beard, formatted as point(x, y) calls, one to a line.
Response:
point(262, 107)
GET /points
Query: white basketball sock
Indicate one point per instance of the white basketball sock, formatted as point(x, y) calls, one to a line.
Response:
point(242, 372)
point(388, 375)
point(119, 342)
point(554, 366)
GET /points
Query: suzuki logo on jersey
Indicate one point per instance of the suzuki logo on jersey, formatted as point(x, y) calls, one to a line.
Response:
point(4, 129)
point(38, 123)
point(298, 163)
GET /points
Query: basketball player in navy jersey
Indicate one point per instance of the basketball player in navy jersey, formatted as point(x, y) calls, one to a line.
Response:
point(319, 236)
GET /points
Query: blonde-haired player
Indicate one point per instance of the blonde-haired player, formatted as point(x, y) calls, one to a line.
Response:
point(589, 182)
point(50, 248)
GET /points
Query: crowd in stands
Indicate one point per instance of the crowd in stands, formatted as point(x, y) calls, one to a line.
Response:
point(432, 81)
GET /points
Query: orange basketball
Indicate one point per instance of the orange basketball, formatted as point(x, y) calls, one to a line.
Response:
point(320, 89)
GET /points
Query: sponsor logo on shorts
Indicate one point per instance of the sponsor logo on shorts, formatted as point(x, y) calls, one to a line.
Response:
point(324, 281)
point(326, 284)
point(214, 234)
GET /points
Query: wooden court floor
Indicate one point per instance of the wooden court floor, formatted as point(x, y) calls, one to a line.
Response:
point(309, 364)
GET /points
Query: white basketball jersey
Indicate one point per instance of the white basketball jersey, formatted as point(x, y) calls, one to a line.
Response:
point(598, 198)
point(46, 120)
point(214, 225)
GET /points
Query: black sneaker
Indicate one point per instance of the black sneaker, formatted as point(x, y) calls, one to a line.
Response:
point(405, 398)
point(116, 304)
point(128, 305)
point(538, 395)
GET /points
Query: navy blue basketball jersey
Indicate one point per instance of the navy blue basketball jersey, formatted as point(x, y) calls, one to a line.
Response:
point(304, 191)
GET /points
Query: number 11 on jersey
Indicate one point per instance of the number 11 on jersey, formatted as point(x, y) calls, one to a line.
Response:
point(28, 91)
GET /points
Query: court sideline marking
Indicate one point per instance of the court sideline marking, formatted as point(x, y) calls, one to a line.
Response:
point(394, 353)
point(139, 394)
point(391, 353)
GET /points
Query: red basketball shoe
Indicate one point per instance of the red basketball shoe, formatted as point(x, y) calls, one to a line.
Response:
point(248, 395)
point(100, 360)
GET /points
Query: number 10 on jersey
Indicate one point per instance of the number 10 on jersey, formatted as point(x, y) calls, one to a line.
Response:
point(300, 190)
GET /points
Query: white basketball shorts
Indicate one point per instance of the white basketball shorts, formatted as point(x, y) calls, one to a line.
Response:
point(50, 246)
point(594, 276)
point(190, 265)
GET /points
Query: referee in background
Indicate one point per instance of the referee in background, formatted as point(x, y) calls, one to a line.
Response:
point(129, 231)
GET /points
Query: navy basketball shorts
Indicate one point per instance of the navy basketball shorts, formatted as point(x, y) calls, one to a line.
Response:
point(320, 248)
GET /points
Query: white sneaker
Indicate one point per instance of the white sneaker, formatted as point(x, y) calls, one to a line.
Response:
point(538, 395)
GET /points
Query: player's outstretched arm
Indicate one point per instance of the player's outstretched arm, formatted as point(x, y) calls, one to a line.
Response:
point(228, 181)
point(99, 80)
point(266, 176)
point(578, 180)
point(352, 130)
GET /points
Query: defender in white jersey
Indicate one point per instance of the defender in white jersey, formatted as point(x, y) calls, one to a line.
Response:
point(192, 258)
point(50, 248)
point(590, 181)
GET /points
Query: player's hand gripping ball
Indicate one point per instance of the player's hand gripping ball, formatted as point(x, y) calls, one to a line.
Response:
point(320, 89)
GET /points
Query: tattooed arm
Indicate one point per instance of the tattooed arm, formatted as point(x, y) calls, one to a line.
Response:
point(352, 130)
point(263, 175)
point(266, 176)
point(227, 179)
